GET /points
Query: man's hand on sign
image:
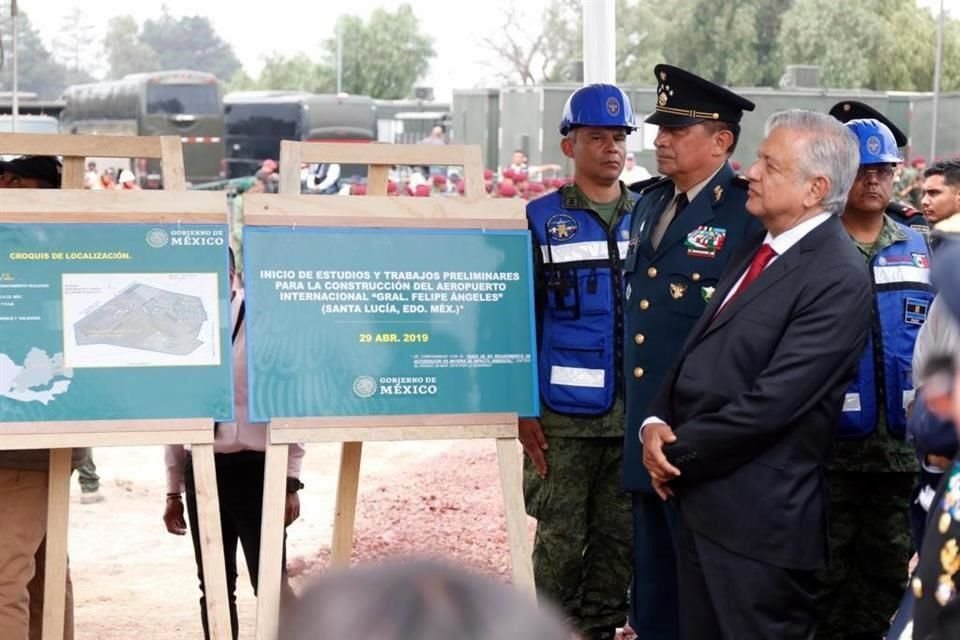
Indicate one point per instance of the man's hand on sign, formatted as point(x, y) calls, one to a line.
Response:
point(173, 516)
point(534, 443)
point(292, 509)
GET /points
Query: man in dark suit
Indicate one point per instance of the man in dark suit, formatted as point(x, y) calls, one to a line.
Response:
point(686, 226)
point(742, 429)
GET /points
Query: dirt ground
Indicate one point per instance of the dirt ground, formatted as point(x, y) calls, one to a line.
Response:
point(134, 581)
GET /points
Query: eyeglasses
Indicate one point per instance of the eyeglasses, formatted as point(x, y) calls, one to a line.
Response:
point(884, 172)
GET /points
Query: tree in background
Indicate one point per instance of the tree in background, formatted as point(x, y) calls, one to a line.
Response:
point(868, 44)
point(76, 47)
point(189, 42)
point(125, 52)
point(383, 57)
point(38, 70)
point(520, 53)
point(165, 43)
point(295, 73)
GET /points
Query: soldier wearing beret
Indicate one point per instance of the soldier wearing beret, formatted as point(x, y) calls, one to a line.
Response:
point(685, 227)
point(900, 212)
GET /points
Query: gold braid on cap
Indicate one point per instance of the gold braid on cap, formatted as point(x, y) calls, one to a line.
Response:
point(692, 113)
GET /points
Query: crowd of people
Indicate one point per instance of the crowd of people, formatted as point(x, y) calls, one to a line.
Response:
point(748, 384)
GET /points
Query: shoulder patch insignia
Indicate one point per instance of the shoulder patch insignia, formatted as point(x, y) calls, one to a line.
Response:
point(562, 227)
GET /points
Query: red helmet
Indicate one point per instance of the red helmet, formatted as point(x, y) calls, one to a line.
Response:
point(487, 174)
point(508, 173)
point(422, 191)
point(358, 189)
point(439, 180)
point(535, 187)
point(520, 176)
point(508, 191)
point(391, 187)
point(461, 187)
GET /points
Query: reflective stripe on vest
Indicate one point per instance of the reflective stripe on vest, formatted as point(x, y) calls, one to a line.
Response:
point(902, 295)
point(579, 323)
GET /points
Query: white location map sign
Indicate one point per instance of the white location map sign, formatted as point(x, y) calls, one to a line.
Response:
point(140, 320)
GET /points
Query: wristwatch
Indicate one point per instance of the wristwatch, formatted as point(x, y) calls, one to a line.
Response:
point(294, 485)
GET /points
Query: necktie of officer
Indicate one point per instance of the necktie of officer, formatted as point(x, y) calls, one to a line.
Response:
point(761, 259)
point(679, 204)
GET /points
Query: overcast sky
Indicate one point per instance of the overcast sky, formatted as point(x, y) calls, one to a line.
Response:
point(257, 29)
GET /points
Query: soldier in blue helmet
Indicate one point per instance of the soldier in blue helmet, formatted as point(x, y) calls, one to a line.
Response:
point(848, 110)
point(686, 226)
point(581, 555)
point(873, 473)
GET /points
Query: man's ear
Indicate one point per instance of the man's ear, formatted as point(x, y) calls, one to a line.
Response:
point(566, 145)
point(818, 190)
point(723, 140)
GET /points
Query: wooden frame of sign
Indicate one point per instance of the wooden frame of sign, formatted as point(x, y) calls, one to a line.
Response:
point(474, 211)
point(66, 206)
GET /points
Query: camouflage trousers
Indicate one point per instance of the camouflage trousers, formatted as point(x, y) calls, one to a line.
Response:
point(582, 551)
point(870, 546)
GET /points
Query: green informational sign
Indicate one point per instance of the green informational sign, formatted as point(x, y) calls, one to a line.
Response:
point(359, 322)
point(114, 322)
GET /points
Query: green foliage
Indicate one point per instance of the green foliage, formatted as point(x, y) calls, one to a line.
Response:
point(862, 44)
point(37, 70)
point(166, 42)
point(383, 57)
point(189, 42)
point(297, 72)
point(125, 52)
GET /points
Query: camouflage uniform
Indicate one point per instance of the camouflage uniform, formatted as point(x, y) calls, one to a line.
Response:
point(582, 550)
point(871, 482)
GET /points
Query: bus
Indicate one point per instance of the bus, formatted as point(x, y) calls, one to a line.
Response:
point(159, 103)
point(256, 122)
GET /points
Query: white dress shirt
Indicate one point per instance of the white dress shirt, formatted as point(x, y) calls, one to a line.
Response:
point(239, 435)
point(781, 244)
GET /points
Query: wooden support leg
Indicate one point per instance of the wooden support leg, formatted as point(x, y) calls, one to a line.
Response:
point(271, 541)
point(511, 480)
point(58, 516)
point(346, 510)
point(211, 542)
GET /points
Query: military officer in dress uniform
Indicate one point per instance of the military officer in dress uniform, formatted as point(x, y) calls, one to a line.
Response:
point(903, 213)
point(685, 227)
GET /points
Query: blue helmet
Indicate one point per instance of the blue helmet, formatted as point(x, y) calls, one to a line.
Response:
point(877, 143)
point(597, 105)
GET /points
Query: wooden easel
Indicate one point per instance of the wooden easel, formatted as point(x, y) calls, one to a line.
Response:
point(474, 211)
point(69, 205)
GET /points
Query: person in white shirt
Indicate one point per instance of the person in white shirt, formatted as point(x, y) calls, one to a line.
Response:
point(239, 454)
point(632, 172)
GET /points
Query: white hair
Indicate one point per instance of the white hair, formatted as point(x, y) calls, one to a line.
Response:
point(830, 150)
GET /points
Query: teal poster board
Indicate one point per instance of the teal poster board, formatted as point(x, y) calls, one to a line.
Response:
point(114, 322)
point(364, 322)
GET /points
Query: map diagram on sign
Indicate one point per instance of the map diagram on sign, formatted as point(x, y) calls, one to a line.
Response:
point(40, 379)
point(113, 321)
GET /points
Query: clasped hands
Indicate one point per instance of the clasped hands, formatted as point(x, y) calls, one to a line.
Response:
point(653, 436)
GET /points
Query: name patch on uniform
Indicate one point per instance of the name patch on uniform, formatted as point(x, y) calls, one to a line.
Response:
point(921, 260)
point(705, 242)
point(562, 227)
point(915, 311)
point(892, 260)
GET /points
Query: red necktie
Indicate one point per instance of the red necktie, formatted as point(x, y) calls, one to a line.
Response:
point(761, 259)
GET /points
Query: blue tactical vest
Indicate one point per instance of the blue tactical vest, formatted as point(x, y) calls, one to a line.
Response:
point(580, 316)
point(902, 296)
